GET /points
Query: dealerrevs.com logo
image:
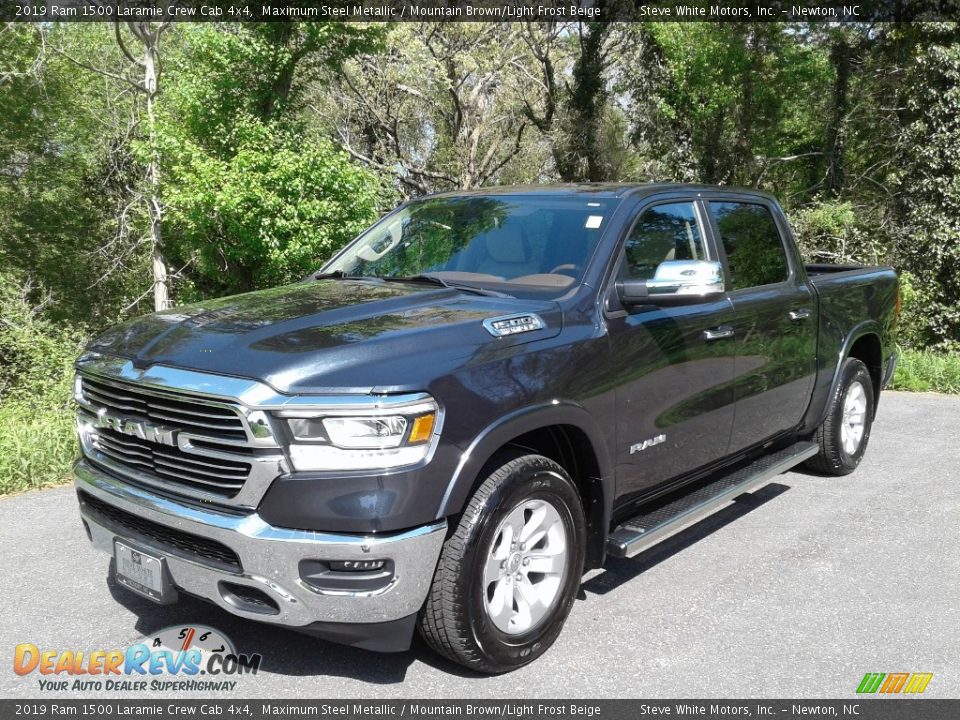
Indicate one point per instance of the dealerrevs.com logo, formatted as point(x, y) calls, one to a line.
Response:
point(182, 658)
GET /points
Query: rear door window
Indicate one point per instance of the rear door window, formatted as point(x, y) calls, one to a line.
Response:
point(755, 252)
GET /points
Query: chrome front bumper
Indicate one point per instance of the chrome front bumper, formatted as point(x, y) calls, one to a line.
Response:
point(270, 557)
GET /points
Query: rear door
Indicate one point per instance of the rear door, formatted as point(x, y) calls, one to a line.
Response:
point(774, 318)
point(674, 385)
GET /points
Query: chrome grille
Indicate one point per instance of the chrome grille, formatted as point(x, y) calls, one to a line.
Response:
point(185, 443)
point(185, 414)
point(215, 475)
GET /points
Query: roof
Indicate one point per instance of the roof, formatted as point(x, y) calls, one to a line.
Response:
point(611, 190)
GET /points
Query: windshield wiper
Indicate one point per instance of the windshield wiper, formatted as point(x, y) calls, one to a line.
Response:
point(338, 275)
point(421, 278)
point(436, 280)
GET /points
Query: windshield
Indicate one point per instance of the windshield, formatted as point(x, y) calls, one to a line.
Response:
point(514, 241)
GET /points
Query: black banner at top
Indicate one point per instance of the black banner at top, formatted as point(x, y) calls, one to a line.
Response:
point(173, 708)
point(477, 10)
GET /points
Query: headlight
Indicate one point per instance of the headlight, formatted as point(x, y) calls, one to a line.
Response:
point(367, 441)
point(366, 432)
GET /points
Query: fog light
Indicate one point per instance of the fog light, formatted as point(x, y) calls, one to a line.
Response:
point(356, 565)
point(347, 576)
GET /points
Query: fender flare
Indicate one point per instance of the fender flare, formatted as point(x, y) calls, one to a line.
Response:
point(867, 327)
point(519, 422)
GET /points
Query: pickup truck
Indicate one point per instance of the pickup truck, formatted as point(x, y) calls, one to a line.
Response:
point(471, 405)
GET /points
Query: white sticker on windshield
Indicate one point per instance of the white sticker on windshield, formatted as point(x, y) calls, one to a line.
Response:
point(593, 221)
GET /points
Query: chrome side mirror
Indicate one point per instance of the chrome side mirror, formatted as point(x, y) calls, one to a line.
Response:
point(676, 282)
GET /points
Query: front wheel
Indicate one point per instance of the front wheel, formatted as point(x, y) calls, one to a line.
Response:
point(844, 434)
point(508, 575)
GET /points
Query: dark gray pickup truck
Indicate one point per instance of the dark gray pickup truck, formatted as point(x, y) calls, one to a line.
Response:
point(472, 404)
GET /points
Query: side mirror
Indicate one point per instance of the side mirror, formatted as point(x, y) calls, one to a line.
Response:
point(676, 282)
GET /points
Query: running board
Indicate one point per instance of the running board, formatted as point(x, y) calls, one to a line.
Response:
point(646, 529)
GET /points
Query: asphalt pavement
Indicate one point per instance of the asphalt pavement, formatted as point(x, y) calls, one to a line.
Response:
point(797, 590)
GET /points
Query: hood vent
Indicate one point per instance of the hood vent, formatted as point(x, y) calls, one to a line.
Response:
point(513, 324)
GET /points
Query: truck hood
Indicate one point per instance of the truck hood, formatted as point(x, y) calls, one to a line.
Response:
point(329, 335)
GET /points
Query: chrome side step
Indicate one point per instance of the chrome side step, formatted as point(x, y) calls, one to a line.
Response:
point(647, 529)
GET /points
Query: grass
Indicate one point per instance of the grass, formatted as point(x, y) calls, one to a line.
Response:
point(924, 371)
point(37, 446)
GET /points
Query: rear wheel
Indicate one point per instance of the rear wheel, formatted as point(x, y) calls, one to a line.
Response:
point(844, 435)
point(508, 575)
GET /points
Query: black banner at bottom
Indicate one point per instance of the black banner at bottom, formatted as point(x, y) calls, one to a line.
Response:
point(853, 709)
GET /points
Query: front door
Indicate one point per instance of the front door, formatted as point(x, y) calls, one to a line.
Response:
point(674, 381)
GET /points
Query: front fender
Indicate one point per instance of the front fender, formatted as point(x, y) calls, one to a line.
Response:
point(506, 429)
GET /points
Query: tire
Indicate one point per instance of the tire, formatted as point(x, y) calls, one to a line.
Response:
point(844, 435)
point(473, 614)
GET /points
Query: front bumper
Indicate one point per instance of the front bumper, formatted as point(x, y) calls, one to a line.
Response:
point(268, 557)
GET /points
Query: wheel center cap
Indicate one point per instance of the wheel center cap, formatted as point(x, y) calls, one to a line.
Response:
point(513, 564)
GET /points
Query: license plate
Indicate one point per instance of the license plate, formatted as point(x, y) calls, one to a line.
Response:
point(140, 572)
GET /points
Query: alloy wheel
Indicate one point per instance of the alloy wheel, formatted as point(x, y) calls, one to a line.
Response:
point(525, 567)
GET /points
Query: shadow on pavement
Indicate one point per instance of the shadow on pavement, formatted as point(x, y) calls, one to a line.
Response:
point(285, 652)
point(618, 571)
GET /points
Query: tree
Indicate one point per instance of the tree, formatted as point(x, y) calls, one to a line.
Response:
point(142, 75)
point(438, 108)
point(148, 35)
point(254, 196)
point(69, 184)
point(571, 103)
point(729, 102)
point(929, 187)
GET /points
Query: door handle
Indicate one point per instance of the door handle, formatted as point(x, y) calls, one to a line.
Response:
point(801, 314)
point(718, 333)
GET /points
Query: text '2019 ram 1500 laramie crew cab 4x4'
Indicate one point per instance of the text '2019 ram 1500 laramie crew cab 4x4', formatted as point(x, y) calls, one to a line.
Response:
point(472, 404)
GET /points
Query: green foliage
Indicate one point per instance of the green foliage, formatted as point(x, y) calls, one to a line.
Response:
point(35, 352)
point(259, 70)
point(63, 181)
point(37, 443)
point(37, 448)
point(837, 231)
point(925, 371)
point(929, 240)
point(728, 101)
point(911, 323)
point(268, 214)
point(252, 197)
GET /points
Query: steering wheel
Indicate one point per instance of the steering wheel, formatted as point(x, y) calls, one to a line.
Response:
point(566, 269)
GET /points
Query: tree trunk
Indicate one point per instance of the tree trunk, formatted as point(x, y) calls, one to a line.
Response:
point(582, 159)
point(161, 290)
point(840, 59)
point(741, 165)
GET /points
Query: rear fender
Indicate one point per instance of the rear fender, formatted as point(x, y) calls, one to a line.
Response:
point(867, 327)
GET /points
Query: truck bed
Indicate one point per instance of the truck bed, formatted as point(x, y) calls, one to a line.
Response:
point(852, 300)
point(863, 280)
point(818, 269)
